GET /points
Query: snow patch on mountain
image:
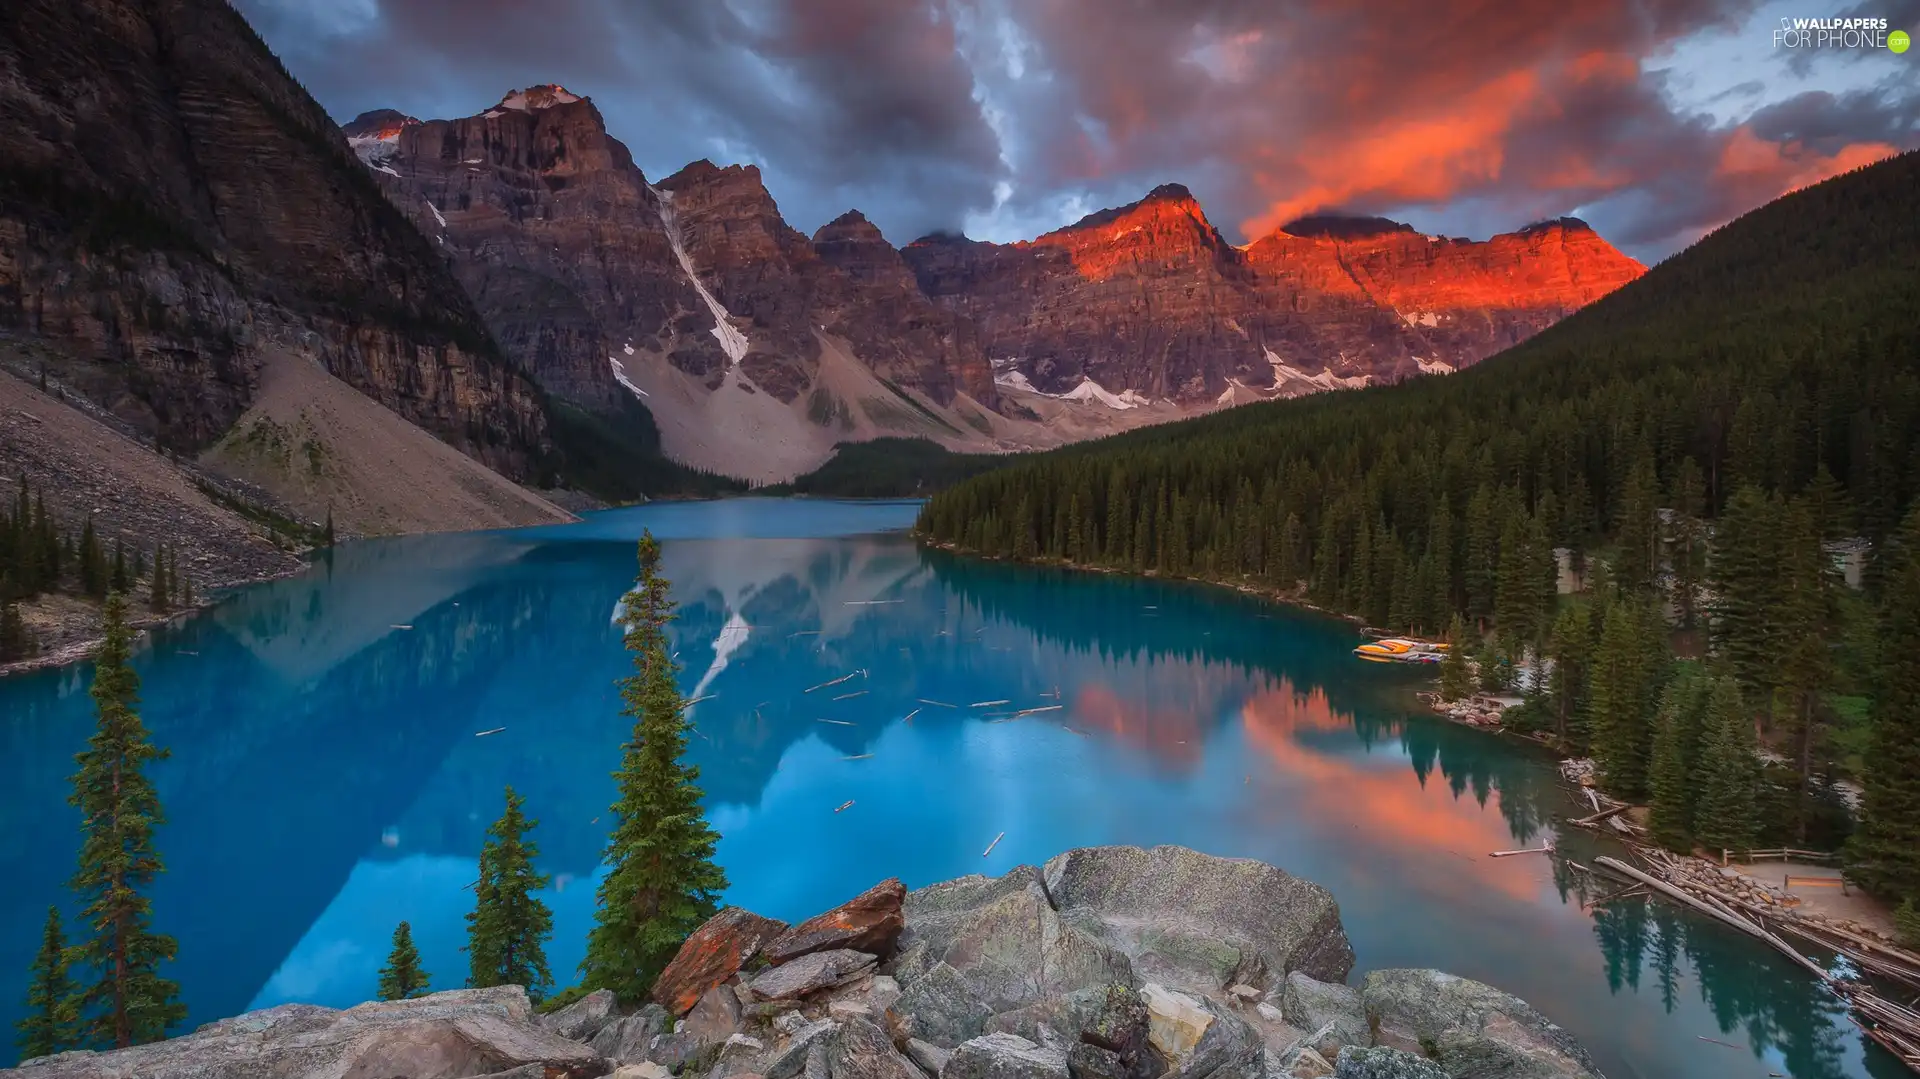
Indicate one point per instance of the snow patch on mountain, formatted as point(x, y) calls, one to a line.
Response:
point(620, 374)
point(1434, 367)
point(1421, 318)
point(1087, 391)
point(732, 341)
point(437, 215)
point(376, 150)
point(1288, 377)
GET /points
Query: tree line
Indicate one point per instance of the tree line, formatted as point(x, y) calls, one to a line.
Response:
point(105, 989)
point(1692, 445)
point(38, 557)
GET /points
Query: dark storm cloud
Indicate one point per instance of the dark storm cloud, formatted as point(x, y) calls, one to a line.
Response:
point(1018, 115)
point(842, 102)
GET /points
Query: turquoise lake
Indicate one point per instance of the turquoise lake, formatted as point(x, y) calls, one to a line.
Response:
point(330, 776)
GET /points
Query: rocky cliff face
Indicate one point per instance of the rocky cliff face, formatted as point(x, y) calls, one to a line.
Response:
point(571, 256)
point(173, 206)
point(551, 228)
point(1106, 963)
point(1149, 298)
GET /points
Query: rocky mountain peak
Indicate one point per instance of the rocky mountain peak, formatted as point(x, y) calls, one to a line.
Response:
point(851, 227)
point(378, 123)
point(534, 98)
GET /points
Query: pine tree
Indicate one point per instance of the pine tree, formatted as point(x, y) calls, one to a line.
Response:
point(662, 881)
point(184, 584)
point(48, 1026)
point(1570, 644)
point(92, 563)
point(1689, 553)
point(1675, 749)
point(16, 640)
point(326, 534)
point(1456, 679)
point(128, 1002)
point(1744, 568)
point(159, 587)
point(1906, 923)
point(402, 978)
point(117, 578)
point(1803, 618)
point(1617, 701)
point(1727, 814)
point(508, 927)
point(1884, 852)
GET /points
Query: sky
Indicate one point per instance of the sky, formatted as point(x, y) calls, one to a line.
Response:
point(1655, 120)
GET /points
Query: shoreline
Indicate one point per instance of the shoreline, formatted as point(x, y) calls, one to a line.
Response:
point(81, 649)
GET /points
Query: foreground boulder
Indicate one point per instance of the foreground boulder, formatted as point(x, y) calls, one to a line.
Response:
point(1472, 1030)
point(466, 1032)
point(715, 952)
point(1109, 963)
point(1199, 922)
point(869, 922)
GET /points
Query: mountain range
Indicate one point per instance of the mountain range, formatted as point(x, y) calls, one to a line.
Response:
point(743, 334)
point(187, 241)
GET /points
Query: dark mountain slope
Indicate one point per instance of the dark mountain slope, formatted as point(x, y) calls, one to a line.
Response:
point(174, 205)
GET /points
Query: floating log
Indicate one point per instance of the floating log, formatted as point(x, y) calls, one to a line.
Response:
point(483, 734)
point(837, 722)
point(1716, 1041)
point(910, 716)
point(987, 704)
point(835, 682)
point(858, 757)
point(844, 805)
point(1548, 849)
point(803, 633)
point(1036, 711)
point(1588, 822)
point(697, 700)
point(850, 696)
point(936, 704)
point(397, 625)
point(995, 843)
point(1075, 730)
point(871, 602)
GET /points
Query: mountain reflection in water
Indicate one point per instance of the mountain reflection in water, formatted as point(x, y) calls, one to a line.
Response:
point(328, 778)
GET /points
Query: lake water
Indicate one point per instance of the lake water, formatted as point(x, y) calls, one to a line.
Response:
point(329, 776)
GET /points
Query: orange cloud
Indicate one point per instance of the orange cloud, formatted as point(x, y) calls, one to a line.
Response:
point(1787, 167)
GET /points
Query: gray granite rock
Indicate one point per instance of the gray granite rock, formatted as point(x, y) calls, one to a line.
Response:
point(1381, 1062)
point(1333, 1012)
point(1195, 921)
point(810, 973)
point(861, 1050)
point(1005, 1056)
point(1471, 1029)
point(464, 1032)
point(628, 1038)
point(582, 1019)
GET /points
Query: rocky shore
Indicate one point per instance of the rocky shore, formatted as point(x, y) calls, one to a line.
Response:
point(1105, 963)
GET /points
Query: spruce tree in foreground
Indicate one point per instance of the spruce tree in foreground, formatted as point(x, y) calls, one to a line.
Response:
point(402, 978)
point(1884, 853)
point(49, 1023)
point(508, 928)
point(662, 881)
point(122, 999)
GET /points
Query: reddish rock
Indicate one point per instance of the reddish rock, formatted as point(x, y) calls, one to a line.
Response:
point(715, 952)
point(869, 922)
